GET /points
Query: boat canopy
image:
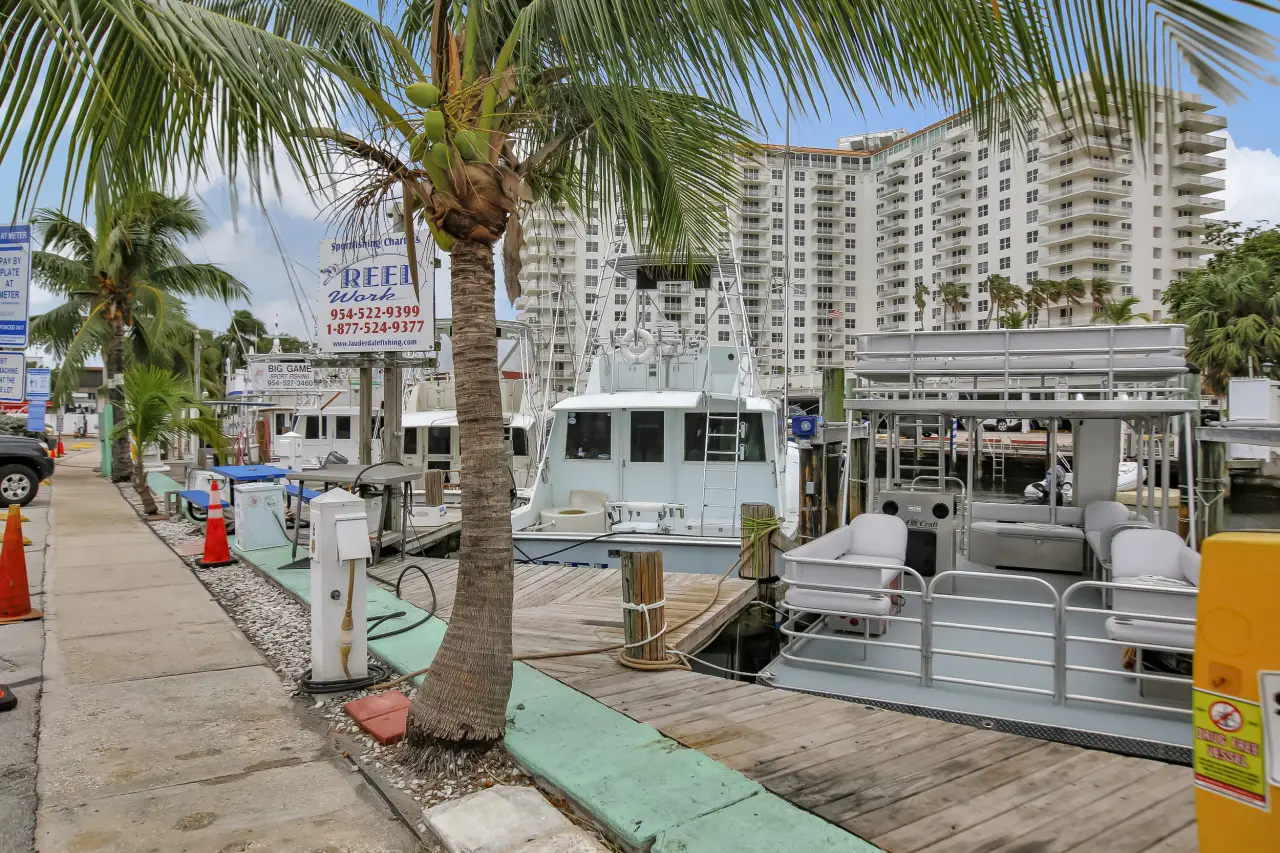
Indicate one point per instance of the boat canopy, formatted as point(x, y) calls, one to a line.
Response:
point(656, 400)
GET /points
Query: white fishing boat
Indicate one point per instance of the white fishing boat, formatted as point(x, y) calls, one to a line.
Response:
point(668, 435)
point(1069, 621)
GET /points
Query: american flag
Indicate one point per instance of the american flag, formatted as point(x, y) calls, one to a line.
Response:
point(835, 313)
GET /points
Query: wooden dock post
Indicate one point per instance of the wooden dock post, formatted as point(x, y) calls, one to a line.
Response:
point(756, 558)
point(434, 488)
point(644, 611)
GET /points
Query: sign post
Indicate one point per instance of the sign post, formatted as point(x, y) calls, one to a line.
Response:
point(15, 284)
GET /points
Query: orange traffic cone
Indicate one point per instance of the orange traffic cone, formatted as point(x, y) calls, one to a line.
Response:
point(216, 550)
point(15, 597)
point(62, 451)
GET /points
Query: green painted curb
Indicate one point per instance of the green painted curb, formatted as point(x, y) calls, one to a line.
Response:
point(599, 758)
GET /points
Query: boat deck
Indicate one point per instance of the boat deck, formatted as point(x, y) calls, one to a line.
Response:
point(561, 608)
point(907, 783)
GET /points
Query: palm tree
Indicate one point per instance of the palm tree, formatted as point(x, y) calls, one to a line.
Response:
point(1002, 295)
point(1099, 291)
point(921, 293)
point(1119, 313)
point(954, 294)
point(1072, 291)
point(510, 104)
point(1034, 299)
point(1232, 317)
point(124, 279)
point(244, 331)
point(1011, 319)
point(160, 409)
point(1050, 294)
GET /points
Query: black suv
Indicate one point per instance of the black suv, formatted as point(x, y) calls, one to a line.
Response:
point(24, 462)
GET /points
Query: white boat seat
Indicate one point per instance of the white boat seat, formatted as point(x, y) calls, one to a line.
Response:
point(1146, 632)
point(851, 603)
point(867, 553)
point(1102, 521)
point(1155, 560)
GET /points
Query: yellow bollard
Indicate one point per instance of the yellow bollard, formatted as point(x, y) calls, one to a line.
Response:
point(1236, 703)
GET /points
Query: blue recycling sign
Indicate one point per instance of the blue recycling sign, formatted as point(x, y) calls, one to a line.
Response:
point(15, 284)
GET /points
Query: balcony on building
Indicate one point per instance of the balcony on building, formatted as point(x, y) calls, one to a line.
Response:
point(893, 276)
point(951, 154)
point(1199, 204)
point(1069, 124)
point(1086, 188)
point(892, 325)
point(1087, 166)
point(754, 192)
point(1199, 121)
point(824, 212)
point(958, 187)
point(954, 260)
point(955, 204)
point(1070, 210)
point(1078, 253)
point(522, 301)
point(1187, 221)
point(895, 240)
point(895, 193)
point(890, 224)
point(1091, 145)
point(954, 169)
point(755, 224)
point(1199, 143)
point(956, 223)
point(895, 178)
point(1201, 163)
point(1183, 180)
point(962, 241)
point(1191, 242)
point(753, 177)
point(889, 208)
point(1055, 236)
point(1188, 264)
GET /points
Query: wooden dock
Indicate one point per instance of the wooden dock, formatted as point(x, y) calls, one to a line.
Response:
point(561, 608)
point(908, 784)
point(902, 782)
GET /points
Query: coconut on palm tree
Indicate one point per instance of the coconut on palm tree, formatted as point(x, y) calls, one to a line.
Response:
point(1232, 315)
point(122, 283)
point(1120, 313)
point(160, 409)
point(471, 111)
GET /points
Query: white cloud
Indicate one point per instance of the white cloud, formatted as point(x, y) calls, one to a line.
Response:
point(1253, 184)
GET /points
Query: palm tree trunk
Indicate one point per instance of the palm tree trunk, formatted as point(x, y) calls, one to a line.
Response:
point(141, 487)
point(461, 707)
point(113, 361)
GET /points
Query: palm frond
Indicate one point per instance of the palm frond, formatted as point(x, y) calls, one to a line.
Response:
point(61, 275)
point(195, 280)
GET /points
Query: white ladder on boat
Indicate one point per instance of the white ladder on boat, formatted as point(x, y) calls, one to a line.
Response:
point(721, 454)
point(909, 462)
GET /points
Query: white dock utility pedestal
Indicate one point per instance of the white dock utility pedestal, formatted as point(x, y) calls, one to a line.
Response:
point(289, 449)
point(340, 553)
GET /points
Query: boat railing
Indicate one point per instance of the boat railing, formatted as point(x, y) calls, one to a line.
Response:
point(933, 623)
point(800, 637)
point(1065, 638)
point(1058, 633)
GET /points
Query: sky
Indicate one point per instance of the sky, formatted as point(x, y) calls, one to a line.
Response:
point(243, 242)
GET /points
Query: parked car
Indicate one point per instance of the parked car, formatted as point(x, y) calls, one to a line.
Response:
point(24, 462)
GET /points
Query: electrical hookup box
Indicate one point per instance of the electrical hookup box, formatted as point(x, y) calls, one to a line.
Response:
point(259, 515)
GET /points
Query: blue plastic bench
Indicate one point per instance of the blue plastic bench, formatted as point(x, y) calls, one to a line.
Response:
point(308, 495)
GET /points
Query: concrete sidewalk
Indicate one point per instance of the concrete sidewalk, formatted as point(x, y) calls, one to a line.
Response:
point(163, 728)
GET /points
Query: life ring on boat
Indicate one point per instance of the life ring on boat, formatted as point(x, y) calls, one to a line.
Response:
point(637, 347)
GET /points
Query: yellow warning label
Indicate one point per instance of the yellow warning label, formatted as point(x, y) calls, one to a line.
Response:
point(1229, 754)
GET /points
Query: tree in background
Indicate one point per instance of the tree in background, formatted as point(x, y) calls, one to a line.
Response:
point(160, 409)
point(1034, 298)
point(954, 294)
point(1113, 313)
point(1100, 290)
point(243, 333)
point(921, 293)
point(1072, 292)
point(1232, 313)
point(471, 111)
point(123, 282)
point(1012, 319)
point(1002, 295)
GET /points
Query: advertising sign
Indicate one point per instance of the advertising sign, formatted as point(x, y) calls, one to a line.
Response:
point(39, 383)
point(15, 284)
point(281, 377)
point(13, 385)
point(365, 301)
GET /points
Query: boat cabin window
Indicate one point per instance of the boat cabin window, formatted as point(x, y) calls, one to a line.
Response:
point(411, 440)
point(281, 427)
point(438, 443)
point(647, 436)
point(342, 426)
point(311, 426)
point(751, 446)
point(519, 441)
point(588, 435)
